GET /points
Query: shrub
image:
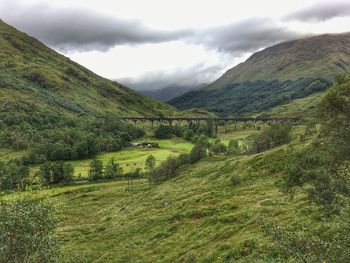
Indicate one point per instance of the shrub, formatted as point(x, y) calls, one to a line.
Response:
point(273, 136)
point(150, 162)
point(56, 172)
point(198, 152)
point(233, 147)
point(183, 159)
point(27, 225)
point(235, 180)
point(165, 171)
point(96, 170)
point(112, 169)
point(13, 174)
point(217, 147)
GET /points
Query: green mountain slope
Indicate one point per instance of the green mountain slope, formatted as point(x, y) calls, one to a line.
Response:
point(33, 75)
point(275, 76)
point(53, 109)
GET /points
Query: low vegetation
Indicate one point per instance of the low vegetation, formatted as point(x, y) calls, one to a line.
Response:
point(27, 229)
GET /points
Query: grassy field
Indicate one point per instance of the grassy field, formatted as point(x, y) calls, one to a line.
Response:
point(207, 213)
point(202, 215)
point(132, 158)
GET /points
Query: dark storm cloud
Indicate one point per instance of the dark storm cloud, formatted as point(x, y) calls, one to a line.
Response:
point(321, 12)
point(249, 35)
point(80, 29)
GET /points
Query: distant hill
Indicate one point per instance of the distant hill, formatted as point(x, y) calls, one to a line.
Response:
point(274, 76)
point(170, 92)
point(33, 75)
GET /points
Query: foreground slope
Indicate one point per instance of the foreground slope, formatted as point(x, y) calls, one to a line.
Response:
point(207, 213)
point(275, 76)
point(32, 76)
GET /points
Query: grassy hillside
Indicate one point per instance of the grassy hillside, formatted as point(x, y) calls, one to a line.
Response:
point(297, 108)
point(207, 213)
point(320, 56)
point(274, 76)
point(51, 108)
point(32, 75)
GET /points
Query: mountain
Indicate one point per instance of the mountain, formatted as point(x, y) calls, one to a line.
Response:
point(34, 75)
point(274, 76)
point(170, 92)
point(51, 108)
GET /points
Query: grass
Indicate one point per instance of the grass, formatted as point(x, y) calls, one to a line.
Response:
point(132, 158)
point(8, 154)
point(202, 215)
point(304, 107)
point(33, 74)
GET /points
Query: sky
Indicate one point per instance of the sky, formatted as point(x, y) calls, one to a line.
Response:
point(162, 43)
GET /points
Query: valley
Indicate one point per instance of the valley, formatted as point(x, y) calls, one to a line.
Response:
point(253, 167)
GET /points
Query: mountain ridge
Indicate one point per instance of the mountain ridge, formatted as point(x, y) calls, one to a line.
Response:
point(274, 76)
point(254, 68)
point(30, 69)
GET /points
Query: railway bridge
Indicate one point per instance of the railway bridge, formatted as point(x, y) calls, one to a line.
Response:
point(218, 121)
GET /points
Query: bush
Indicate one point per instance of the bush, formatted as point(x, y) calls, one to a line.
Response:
point(27, 225)
point(233, 147)
point(273, 136)
point(165, 171)
point(183, 159)
point(96, 170)
point(217, 147)
point(198, 152)
point(164, 132)
point(150, 162)
point(112, 169)
point(13, 174)
point(56, 172)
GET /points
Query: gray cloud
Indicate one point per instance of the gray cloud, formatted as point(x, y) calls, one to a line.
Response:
point(80, 29)
point(84, 30)
point(321, 12)
point(245, 36)
point(190, 77)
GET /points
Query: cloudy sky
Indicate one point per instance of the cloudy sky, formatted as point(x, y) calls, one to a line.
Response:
point(158, 43)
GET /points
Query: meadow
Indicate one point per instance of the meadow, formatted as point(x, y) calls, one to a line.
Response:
point(132, 158)
point(207, 213)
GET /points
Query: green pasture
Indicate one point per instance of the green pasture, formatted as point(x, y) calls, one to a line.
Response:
point(135, 157)
point(201, 215)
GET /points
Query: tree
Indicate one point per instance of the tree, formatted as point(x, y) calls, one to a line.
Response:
point(163, 132)
point(96, 170)
point(233, 147)
point(321, 169)
point(217, 147)
point(13, 174)
point(273, 136)
point(150, 162)
point(27, 225)
point(198, 152)
point(183, 159)
point(56, 172)
point(112, 169)
point(68, 172)
point(165, 171)
point(323, 165)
